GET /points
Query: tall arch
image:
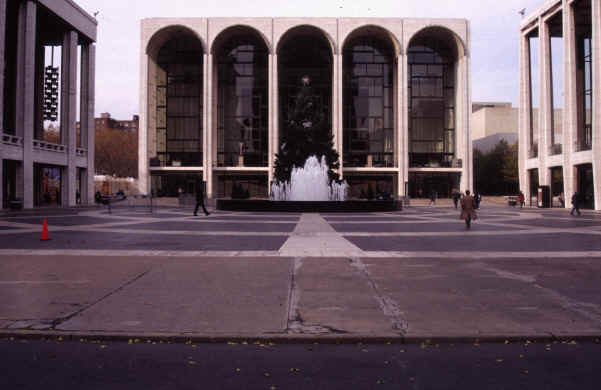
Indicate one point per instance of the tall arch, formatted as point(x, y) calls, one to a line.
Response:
point(241, 61)
point(175, 105)
point(304, 53)
point(433, 56)
point(368, 56)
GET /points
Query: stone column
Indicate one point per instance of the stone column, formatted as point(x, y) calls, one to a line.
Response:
point(403, 118)
point(205, 116)
point(26, 47)
point(276, 106)
point(270, 109)
point(596, 49)
point(570, 118)
point(87, 124)
point(145, 123)
point(525, 114)
point(209, 109)
point(338, 124)
point(2, 45)
point(69, 115)
point(400, 125)
point(545, 112)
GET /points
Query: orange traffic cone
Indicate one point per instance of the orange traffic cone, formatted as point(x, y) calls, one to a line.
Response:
point(45, 235)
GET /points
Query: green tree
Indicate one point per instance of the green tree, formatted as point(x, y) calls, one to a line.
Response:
point(496, 172)
point(305, 134)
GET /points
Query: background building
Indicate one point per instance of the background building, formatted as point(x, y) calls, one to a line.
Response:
point(216, 93)
point(492, 122)
point(561, 70)
point(42, 45)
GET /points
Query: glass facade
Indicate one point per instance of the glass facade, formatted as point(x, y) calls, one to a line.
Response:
point(586, 64)
point(533, 47)
point(243, 102)
point(304, 53)
point(48, 185)
point(423, 184)
point(179, 102)
point(556, 47)
point(431, 103)
point(368, 66)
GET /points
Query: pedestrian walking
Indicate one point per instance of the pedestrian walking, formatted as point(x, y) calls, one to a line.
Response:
point(468, 212)
point(521, 199)
point(200, 199)
point(575, 203)
point(477, 200)
point(456, 195)
point(433, 197)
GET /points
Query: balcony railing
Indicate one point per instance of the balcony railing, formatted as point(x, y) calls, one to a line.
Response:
point(43, 145)
point(369, 160)
point(79, 152)
point(582, 145)
point(555, 149)
point(434, 160)
point(245, 159)
point(10, 139)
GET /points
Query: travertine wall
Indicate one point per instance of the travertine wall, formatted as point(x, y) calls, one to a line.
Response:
point(544, 118)
point(155, 31)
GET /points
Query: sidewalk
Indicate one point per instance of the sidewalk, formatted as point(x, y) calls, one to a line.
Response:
point(297, 300)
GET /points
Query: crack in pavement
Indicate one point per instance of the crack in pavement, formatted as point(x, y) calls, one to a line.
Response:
point(61, 320)
point(388, 306)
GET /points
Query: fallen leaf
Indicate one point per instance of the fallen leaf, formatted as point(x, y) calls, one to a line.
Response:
point(267, 374)
point(499, 360)
point(191, 362)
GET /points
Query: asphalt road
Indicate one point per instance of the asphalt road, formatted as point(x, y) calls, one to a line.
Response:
point(89, 364)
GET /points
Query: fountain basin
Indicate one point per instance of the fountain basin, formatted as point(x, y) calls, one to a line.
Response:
point(347, 206)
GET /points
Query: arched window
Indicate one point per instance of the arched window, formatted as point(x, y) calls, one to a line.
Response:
point(179, 101)
point(368, 68)
point(242, 101)
point(304, 52)
point(432, 63)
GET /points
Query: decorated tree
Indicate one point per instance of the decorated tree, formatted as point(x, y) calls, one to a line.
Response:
point(306, 134)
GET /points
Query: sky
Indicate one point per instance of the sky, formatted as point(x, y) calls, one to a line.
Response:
point(494, 27)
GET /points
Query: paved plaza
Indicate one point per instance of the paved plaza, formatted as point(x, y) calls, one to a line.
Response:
point(417, 273)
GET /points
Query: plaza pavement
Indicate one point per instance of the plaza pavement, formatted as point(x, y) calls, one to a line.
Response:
point(410, 275)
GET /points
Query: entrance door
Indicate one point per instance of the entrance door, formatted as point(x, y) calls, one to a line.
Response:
point(557, 195)
point(585, 185)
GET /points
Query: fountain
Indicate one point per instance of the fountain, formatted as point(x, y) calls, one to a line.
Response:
point(310, 183)
point(308, 191)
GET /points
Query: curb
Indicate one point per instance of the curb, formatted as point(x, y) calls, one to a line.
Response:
point(183, 338)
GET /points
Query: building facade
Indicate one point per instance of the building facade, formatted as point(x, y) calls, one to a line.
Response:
point(560, 69)
point(216, 94)
point(43, 43)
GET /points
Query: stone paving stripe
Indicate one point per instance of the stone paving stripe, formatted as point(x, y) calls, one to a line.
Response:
point(479, 242)
point(192, 226)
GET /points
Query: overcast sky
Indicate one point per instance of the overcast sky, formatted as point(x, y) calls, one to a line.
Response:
point(495, 32)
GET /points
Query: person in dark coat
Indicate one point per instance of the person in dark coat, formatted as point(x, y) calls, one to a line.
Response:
point(200, 199)
point(521, 199)
point(468, 210)
point(456, 195)
point(575, 203)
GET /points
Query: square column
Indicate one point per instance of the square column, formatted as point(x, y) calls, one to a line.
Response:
point(570, 117)
point(545, 112)
point(205, 117)
point(88, 70)
point(596, 106)
point(401, 124)
point(337, 123)
point(276, 104)
point(211, 82)
point(26, 47)
point(525, 113)
point(270, 109)
point(2, 55)
point(68, 115)
point(403, 118)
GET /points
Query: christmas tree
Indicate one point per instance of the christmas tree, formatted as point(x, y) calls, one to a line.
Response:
point(306, 134)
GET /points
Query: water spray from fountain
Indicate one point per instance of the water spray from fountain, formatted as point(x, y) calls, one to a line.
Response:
point(310, 183)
